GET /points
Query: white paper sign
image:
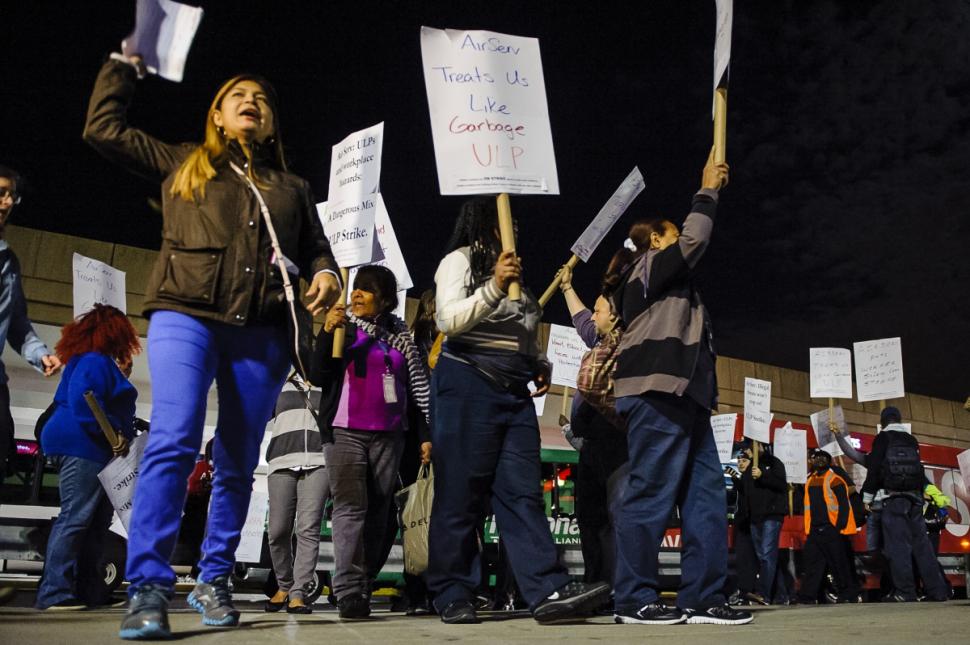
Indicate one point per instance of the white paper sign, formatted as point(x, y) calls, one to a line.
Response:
point(879, 369)
point(612, 210)
point(830, 369)
point(97, 283)
point(565, 352)
point(489, 119)
point(351, 208)
point(251, 538)
point(163, 33)
point(722, 41)
point(538, 402)
point(119, 477)
point(963, 460)
point(757, 409)
point(723, 426)
point(791, 448)
point(823, 436)
point(388, 253)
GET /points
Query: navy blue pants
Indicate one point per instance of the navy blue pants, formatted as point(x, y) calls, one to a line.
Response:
point(673, 460)
point(185, 354)
point(486, 445)
point(905, 540)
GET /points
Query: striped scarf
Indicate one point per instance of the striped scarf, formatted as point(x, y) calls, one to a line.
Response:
point(397, 335)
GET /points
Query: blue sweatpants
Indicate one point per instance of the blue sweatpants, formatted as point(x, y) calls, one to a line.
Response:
point(185, 354)
point(673, 460)
point(486, 446)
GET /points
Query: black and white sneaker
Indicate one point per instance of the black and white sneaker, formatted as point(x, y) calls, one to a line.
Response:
point(571, 601)
point(720, 615)
point(656, 613)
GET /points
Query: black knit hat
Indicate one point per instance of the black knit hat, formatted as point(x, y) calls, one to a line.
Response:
point(890, 415)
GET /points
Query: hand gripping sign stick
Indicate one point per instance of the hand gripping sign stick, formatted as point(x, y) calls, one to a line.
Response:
point(612, 210)
point(113, 437)
point(340, 333)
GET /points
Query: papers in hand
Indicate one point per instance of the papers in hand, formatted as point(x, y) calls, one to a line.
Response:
point(163, 33)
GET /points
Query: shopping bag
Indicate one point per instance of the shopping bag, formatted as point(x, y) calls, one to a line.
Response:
point(414, 502)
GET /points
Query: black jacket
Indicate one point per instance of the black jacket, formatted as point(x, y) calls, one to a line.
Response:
point(767, 496)
point(214, 260)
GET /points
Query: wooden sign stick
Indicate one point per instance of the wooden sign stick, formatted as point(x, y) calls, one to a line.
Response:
point(720, 125)
point(754, 453)
point(551, 289)
point(109, 432)
point(340, 332)
point(508, 237)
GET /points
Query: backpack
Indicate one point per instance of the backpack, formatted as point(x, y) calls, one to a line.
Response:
point(902, 469)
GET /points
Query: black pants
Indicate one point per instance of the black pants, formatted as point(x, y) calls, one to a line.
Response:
point(905, 542)
point(7, 446)
point(825, 549)
point(600, 479)
point(745, 559)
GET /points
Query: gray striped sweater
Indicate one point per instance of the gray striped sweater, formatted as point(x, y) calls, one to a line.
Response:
point(296, 441)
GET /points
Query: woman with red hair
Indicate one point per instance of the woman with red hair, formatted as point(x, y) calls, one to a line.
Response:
point(91, 348)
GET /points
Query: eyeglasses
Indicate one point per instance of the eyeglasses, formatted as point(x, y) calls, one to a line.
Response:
point(13, 195)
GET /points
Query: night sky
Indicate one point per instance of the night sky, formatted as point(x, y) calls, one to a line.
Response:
point(848, 131)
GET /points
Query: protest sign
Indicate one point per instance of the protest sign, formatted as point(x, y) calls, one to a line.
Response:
point(879, 369)
point(163, 33)
point(757, 409)
point(724, 426)
point(612, 210)
point(388, 251)
point(823, 435)
point(791, 448)
point(830, 370)
point(565, 351)
point(963, 460)
point(119, 476)
point(351, 209)
point(251, 538)
point(722, 41)
point(97, 283)
point(489, 118)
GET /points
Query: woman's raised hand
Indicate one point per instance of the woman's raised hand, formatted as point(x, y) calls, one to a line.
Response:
point(715, 175)
point(508, 269)
point(336, 317)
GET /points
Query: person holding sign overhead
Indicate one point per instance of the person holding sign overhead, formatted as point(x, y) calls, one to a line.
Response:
point(91, 348)
point(665, 389)
point(217, 308)
point(485, 431)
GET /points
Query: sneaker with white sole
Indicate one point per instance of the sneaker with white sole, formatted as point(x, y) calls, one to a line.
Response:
point(655, 613)
point(719, 615)
point(571, 601)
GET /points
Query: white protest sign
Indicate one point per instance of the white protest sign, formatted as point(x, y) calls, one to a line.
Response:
point(723, 426)
point(97, 283)
point(879, 369)
point(163, 33)
point(757, 409)
point(119, 477)
point(565, 352)
point(823, 436)
point(612, 210)
point(722, 41)
point(791, 448)
point(489, 118)
point(830, 370)
point(351, 208)
point(539, 402)
point(388, 253)
point(251, 538)
point(963, 460)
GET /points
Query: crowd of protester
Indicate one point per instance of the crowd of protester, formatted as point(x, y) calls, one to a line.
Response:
point(454, 391)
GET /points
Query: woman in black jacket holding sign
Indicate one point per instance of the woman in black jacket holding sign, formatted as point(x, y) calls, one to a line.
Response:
point(217, 311)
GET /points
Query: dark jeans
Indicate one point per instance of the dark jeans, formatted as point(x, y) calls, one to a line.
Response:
point(363, 469)
point(764, 536)
point(905, 541)
point(745, 558)
point(601, 477)
point(7, 445)
point(73, 563)
point(673, 460)
point(826, 548)
point(486, 446)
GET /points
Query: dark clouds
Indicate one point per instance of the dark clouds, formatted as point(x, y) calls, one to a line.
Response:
point(846, 218)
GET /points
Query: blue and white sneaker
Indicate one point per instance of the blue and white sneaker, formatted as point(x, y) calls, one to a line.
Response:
point(213, 600)
point(147, 617)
